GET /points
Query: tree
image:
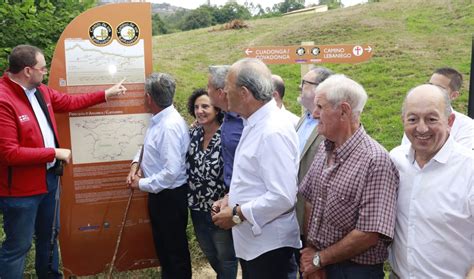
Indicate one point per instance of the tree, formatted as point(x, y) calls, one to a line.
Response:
point(231, 11)
point(332, 4)
point(288, 6)
point(39, 23)
point(158, 26)
point(198, 18)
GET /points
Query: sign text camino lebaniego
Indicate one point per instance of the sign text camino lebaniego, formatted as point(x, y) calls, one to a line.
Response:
point(311, 54)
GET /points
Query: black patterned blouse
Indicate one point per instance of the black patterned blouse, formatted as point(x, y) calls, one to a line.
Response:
point(205, 171)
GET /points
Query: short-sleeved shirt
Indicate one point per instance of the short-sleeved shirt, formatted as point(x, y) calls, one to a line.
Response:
point(357, 192)
point(205, 171)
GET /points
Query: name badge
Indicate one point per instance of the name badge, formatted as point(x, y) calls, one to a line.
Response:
point(24, 118)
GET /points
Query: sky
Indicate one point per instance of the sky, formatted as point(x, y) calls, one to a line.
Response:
point(192, 4)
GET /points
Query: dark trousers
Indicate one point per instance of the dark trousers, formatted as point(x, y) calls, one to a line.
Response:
point(297, 259)
point(274, 264)
point(169, 218)
point(23, 218)
point(351, 270)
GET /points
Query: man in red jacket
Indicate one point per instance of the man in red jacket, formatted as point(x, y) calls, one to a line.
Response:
point(29, 159)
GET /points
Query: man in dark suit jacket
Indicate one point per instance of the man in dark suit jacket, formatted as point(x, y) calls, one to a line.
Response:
point(308, 133)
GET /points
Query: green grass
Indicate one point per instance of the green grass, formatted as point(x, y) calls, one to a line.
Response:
point(410, 38)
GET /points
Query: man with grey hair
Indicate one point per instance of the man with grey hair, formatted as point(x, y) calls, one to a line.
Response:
point(351, 189)
point(231, 130)
point(278, 95)
point(232, 126)
point(435, 222)
point(309, 138)
point(162, 173)
point(262, 198)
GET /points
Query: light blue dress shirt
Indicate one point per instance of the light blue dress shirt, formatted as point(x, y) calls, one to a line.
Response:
point(164, 158)
point(305, 129)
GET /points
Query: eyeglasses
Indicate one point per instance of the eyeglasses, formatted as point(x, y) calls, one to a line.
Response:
point(308, 82)
point(43, 69)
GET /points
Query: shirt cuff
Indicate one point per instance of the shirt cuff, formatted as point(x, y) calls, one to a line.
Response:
point(143, 185)
point(246, 210)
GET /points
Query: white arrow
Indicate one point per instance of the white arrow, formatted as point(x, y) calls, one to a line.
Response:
point(369, 49)
point(248, 51)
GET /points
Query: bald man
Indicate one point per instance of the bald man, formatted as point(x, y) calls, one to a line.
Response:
point(278, 94)
point(462, 129)
point(435, 221)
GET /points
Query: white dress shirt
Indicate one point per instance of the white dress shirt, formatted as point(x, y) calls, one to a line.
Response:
point(462, 130)
point(434, 232)
point(264, 184)
point(46, 130)
point(294, 119)
point(164, 159)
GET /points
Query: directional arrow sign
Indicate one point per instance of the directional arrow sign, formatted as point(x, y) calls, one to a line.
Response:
point(311, 54)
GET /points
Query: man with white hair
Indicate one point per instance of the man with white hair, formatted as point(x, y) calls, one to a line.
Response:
point(435, 222)
point(351, 189)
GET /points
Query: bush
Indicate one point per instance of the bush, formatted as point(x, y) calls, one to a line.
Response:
point(39, 23)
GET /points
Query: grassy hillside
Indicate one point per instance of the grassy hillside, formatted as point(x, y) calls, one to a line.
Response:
point(410, 37)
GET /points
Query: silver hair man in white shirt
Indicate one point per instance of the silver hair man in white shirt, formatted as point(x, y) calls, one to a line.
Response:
point(163, 176)
point(463, 126)
point(435, 209)
point(262, 195)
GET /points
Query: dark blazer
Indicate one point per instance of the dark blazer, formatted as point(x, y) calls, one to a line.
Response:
point(306, 159)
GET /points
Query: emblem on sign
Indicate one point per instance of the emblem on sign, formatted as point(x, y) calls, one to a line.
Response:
point(300, 51)
point(357, 50)
point(100, 33)
point(128, 32)
point(315, 51)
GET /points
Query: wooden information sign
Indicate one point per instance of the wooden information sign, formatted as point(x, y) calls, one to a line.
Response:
point(99, 48)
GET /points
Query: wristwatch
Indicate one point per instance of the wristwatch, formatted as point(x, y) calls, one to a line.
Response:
point(317, 260)
point(235, 217)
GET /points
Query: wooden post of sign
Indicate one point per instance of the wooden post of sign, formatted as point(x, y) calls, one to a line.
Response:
point(305, 68)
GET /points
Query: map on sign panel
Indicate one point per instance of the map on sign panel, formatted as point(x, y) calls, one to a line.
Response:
point(107, 138)
point(87, 64)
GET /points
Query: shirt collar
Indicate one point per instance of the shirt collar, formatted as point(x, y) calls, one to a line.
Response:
point(343, 151)
point(441, 156)
point(162, 114)
point(28, 92)
point(261, 113)
point(231, 114)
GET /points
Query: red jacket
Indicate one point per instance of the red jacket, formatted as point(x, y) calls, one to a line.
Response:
point(23, 156)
